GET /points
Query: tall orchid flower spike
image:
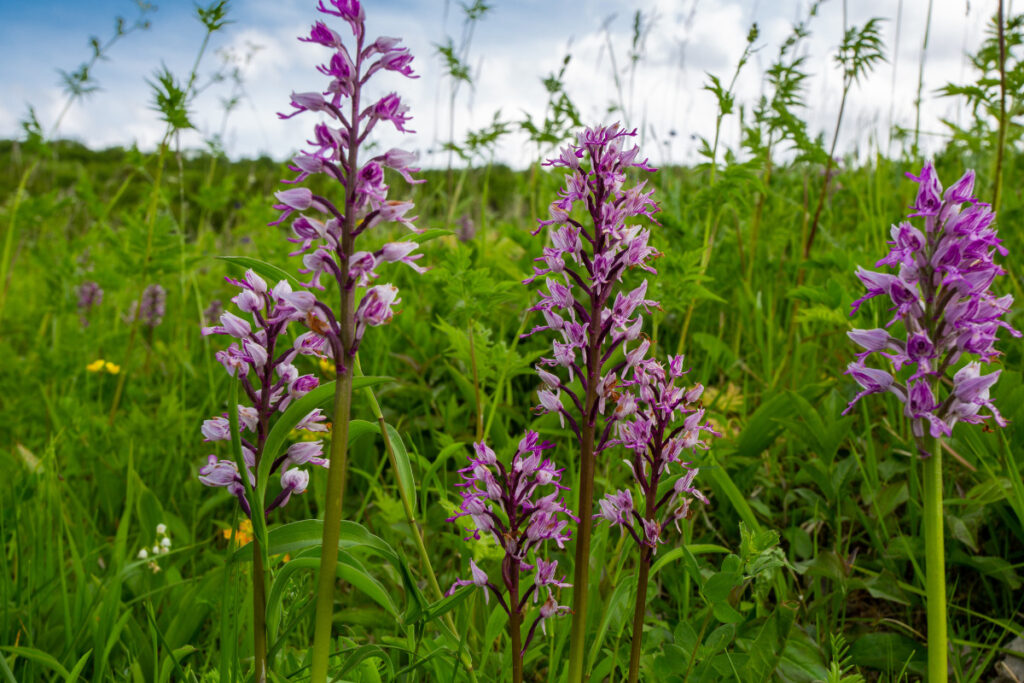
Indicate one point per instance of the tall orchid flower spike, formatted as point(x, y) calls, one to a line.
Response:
point(262, 366)
point(520, 506)
point(940, 290)
point(326, 233)
point(662, 424)
point(590, 314)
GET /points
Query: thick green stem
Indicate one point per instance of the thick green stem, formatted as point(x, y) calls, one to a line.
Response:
point(638, 615)
point(935, 567)
point(337, 473)
point(259, 615)
point(581, 570)
point(515, 630)
point(344, 353)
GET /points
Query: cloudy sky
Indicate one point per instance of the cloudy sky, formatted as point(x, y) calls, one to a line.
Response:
point(513, 47)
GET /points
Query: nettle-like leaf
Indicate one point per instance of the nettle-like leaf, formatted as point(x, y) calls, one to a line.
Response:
point(170, 98)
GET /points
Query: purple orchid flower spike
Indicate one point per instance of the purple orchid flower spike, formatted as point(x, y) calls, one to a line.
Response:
point(665, 422)
point(90, 295)
point(521, 507)
point(270, 382)
point(150, 309)
point(327, 232)
point(941, 293)
point(594, 242)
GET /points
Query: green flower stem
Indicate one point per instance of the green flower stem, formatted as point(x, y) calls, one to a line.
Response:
point(515, 629)
point(337, 473)
point(581, 569)
point(259, 614)
point(5, 260)
point(935, 567)
point(642, 579)
point(410, 518)
point(259, 548)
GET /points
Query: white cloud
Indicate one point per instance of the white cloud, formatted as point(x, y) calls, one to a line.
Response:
point(513, 48)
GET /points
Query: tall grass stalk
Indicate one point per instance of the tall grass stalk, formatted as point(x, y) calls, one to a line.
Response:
point(916, 149)
point(1001, 144)
point(337, 473)
point(154, 201)
point(858, 53)
point(726, 101)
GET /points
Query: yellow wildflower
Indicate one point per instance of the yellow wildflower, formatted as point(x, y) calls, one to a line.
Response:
point(95, 366)
point(112, 368)
point(243, 534)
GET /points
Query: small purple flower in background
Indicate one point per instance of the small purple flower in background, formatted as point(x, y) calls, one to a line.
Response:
point(521, 507)
point(941, 293)
point(90, 295)
point(467, 228)
point(271, 383)
point(212, 312)
point(152, 308)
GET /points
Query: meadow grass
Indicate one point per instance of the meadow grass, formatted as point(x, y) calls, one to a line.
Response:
point(806, 566)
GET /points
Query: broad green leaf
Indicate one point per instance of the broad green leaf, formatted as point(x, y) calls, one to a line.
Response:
point(887, 652)
point(349, 570)
point(441, 607)
point(767, 648)
point(718, 586)
point(267, 270)
point(402, 464)
point(362, 653)
point(718, 639)
point(676, 554)
point(317, 398)
point(427, 235)
point(39, 657)
point(308, 533)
